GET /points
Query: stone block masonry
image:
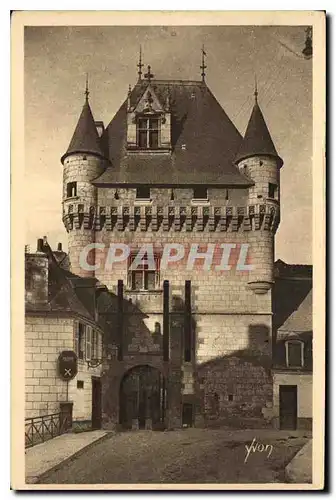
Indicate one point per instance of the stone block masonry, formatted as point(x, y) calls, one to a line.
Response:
point(45, 338)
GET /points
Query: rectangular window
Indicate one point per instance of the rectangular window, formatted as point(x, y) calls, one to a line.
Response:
point(71, 189)
point(294, 354)
point(148, 133)
point(143, 193)
point(200, 193)
point(272, 190)
point(143, 278)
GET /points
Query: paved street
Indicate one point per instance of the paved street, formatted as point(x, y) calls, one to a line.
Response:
point(183, 456)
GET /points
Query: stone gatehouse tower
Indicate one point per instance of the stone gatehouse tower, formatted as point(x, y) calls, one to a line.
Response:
point(183, 346)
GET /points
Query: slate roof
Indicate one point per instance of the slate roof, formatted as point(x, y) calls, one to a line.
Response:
point(288, 271)
point(204, 141)
point(301, 319)
point(85, 138)
point(257, 139)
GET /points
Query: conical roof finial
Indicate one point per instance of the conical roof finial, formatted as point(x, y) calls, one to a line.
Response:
point(203, 66)
point(86, 93)
point(140, 64)
point(255, 89)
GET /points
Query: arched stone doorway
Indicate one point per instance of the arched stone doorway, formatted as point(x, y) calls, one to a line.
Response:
point(142, 398)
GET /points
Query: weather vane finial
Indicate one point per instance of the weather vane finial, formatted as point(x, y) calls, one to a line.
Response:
point(255, 89)
point(140, 64)
point(203, 66)
point(87, 88)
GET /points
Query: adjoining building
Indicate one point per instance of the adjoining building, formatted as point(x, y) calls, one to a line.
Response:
point(293, 360)
point(61, 313)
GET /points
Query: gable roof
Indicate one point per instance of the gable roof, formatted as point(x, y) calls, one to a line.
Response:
point(301, 319)
point(204, 141)
point(257, 139)
point(85, 138)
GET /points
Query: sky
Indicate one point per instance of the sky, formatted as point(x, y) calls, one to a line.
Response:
point(58, 58)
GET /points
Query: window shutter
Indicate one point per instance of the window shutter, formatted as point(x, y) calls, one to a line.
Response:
point(76, 339)
point(88, 342)
point(99, 345)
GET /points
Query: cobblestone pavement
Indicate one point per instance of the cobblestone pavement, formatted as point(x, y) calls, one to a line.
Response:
point(182, 456)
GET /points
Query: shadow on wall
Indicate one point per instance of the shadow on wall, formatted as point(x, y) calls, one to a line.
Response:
point(137, 338)
point(237, 389)
point(233, 389)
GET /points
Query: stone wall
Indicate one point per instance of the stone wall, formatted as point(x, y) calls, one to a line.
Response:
point(232, 327)
point(45, 338)
point(229, 376)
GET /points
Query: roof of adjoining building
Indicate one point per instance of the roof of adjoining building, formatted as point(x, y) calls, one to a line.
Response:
point(301, 319)
point(73, 294)
point(204, 141)
point(288, 271)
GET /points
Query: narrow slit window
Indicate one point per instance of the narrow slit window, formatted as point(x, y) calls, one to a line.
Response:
point(188, 334)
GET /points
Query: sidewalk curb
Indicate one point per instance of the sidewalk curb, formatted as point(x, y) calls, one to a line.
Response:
point(38, 479)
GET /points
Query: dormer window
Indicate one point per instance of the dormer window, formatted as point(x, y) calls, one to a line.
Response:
point(148, 133)
point(294, 353)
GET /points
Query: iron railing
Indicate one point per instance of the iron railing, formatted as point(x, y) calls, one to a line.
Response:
point(40, 429)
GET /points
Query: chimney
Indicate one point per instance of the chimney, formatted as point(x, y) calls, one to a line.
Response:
point(36, 277)
point(59, 247)
point(40, 244)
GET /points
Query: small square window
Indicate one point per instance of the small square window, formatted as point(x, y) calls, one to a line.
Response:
point(230, 397)
point(71, 189)
point(200, 193)
point(143, 193)
point(80, 384)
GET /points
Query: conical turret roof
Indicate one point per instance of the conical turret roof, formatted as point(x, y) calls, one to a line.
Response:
point(85, 138)
point(257, 139)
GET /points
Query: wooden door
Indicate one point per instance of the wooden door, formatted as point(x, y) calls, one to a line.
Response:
point(288, 406)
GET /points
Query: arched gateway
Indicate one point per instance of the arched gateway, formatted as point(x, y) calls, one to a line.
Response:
point(142, 398)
